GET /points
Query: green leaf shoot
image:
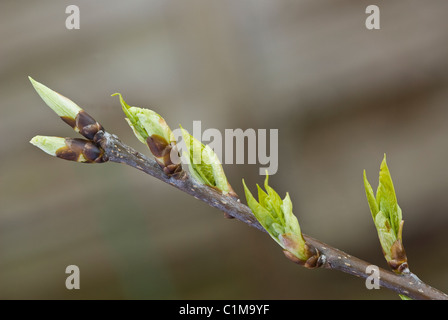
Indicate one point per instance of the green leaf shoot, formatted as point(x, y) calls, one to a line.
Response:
point(204, 165)
point(387, 216)
point(145, 122)
point(277, 218)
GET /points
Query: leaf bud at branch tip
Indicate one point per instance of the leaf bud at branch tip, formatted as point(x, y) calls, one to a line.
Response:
point(78, 150)
point(68, 111)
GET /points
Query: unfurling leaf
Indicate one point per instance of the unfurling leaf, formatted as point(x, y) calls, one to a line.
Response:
point(276, 216)
point(151, 129)
point(204, 165)
point(387, 217)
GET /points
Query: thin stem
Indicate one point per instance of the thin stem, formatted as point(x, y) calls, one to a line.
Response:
point(331, 258)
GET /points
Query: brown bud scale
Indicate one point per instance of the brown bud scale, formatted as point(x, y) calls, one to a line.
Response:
point(312, 262)
point(74, 148)
point(228, 216)
point(161, 150)
point(86, 125)
point(69, 120)
point(293, 258)
point(67, 154)
point(399, 260)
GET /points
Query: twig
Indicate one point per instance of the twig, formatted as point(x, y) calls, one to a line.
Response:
point(330, 258)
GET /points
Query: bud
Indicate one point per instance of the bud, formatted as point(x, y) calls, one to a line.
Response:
point(276, 216)
point(387, 216)
point(78, 150)
point(204, 164)
point(151, 129)
point(69, 111)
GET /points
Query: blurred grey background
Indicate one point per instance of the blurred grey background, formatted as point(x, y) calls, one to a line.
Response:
point(340, 95)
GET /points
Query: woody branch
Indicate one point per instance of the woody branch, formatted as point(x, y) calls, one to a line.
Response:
point(209, 184)
point(331, 258)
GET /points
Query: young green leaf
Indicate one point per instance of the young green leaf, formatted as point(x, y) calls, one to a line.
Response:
point(386, 234)
point(387, 216)
point(373, 205)
point(204, 165)
point(146, 122)
point(276, 216)
point(151, 129)
point(386, 198)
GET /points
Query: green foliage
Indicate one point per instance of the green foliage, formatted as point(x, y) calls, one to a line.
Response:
point(386, 212)
point(276, 216)
point(145, 122)
point(204, 164)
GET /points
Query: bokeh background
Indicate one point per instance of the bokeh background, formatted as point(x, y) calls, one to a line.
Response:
point(340, 95)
